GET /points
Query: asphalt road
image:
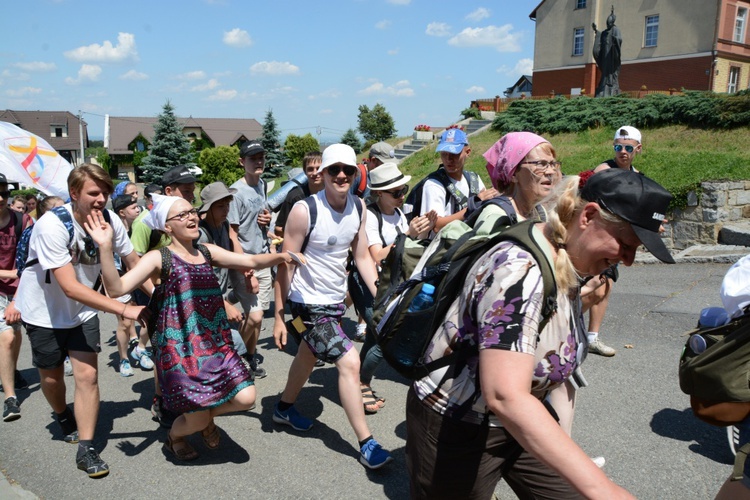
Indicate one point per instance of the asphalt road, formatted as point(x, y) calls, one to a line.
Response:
point(633, 414)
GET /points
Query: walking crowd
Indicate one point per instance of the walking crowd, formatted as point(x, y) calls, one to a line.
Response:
point(190, 283)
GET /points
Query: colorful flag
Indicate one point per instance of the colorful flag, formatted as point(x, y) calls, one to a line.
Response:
point(29, 159)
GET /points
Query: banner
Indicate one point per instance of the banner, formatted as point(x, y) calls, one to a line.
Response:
point(29, 159)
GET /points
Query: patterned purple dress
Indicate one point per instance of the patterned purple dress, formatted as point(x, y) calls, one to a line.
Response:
point(197, 365)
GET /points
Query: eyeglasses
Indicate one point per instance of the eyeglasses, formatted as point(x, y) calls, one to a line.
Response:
point(5, 194)
point(627, 147)
point(183, 216)
point(541, 166)
point(400, 193)
point(349, 170)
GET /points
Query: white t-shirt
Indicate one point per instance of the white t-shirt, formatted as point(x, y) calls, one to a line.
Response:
point(390, 223)
point(45, 304)
point(435, 196)
point(323, 279)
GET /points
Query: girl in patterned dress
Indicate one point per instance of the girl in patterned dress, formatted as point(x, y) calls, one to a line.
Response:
point(200, 374)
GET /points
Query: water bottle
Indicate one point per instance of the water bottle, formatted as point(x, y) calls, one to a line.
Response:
point(712, 317)
point(408, 347)
point(424, 299)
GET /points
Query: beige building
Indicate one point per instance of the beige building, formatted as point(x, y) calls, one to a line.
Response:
point(666, 44)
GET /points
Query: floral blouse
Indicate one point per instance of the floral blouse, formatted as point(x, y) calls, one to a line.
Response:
point(500, 308)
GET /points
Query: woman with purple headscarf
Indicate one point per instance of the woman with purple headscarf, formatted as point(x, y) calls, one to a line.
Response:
point(523, 167)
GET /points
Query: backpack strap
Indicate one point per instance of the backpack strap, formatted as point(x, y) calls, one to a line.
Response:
point(17, 225)
point(460, 200)
point(166, 264)
point(312, 208)
point(374, 208)
point(64, 216)
point(154, 237)
point(206, 254)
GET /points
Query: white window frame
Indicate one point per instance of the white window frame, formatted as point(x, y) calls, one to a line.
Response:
point(579, 34)
point(651, 31)
point(740, 25)
point(734, 79)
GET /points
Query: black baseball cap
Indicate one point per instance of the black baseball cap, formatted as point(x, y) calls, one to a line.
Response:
point(3, 179)
point(151, 189)
point(177, 175)
point(251, 148)
point(635, 198)
point(122, 201)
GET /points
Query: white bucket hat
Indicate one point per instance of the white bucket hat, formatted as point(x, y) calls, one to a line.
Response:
point(387, 176)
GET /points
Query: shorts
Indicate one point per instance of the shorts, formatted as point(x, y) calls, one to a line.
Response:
point(448, 458)
point(251, 302)
point(49, 346)
point(744, 428)
point(4, 301)
point(324, 334)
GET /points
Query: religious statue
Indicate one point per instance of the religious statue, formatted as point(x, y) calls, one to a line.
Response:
point(607, 48)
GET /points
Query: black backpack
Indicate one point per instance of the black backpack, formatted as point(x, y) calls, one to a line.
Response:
point(404, 336)
point(413, 203)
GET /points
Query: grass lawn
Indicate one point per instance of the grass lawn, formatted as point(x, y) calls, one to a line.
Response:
point(677, 157)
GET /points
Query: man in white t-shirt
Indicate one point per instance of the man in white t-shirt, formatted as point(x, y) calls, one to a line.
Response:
point(448, 190)
point(58, 300)
point(316, 295)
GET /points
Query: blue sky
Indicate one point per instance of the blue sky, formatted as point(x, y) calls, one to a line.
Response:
point(312, 63)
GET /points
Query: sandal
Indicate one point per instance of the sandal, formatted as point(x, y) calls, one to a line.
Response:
point(370, 402)
point(211, 435)
point(184, 453)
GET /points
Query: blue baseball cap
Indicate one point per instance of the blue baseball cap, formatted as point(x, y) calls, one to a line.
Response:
point(452, 140)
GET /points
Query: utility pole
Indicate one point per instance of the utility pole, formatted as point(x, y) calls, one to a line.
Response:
point(80, 134)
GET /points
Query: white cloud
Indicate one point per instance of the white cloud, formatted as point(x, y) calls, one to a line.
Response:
point(192, 75)
point(209, 85)
point(88, 73)
point(399, 2)
point(384, 24)
point(401, 88)
point(223, 95)
point(326, 94)
point(524, 66)
point(237, 38)
point(393, 52)
point(134, 75)
point(125, 50)
point(438, 29)
point(498, 37)
point(478, 15)
point(274, 68)
point(24, 91)
point(36, 66)
point(21, 77)
point(475, 89)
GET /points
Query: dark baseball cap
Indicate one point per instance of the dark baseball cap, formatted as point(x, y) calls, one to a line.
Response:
point(3, 179)
point(151, 189)
point(122, 201)
point(251, 147)
point(635, 198)
point(177, 175)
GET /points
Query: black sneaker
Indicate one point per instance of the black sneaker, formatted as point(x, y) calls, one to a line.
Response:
point(11, 409)
point(71, 438)
point(257, 370)
point(91, 463)
point(68, 426)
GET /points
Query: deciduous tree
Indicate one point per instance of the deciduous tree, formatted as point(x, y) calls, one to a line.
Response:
point(376, 124)
point(296, 147)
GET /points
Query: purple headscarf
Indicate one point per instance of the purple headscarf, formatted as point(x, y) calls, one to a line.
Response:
point(505, 155)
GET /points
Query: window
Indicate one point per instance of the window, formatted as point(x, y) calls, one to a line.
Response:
point(652, 31)
point(739, 25)
point(580, 4)
point(578, 42)
point(139, 146)
point(734, 77)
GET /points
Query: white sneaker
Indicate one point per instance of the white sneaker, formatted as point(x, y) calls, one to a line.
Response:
point(125, 369)
point(600, 348)
point(598, 461)
point(143, 358)
point(68, 367)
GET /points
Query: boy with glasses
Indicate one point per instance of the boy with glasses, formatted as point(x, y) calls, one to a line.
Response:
point(626, 145)
point(325, 227)
point(58, 302)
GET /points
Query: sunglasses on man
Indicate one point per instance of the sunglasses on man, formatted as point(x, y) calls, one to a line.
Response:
point(626, 147)
point(349, 170)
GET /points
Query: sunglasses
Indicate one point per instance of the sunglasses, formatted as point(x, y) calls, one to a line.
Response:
point(183, 216)
point(349, 170)
point(399, 193)
point(626, 147)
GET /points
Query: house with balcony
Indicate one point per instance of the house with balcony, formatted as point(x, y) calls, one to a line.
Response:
point(666, 44)
point(59, 128)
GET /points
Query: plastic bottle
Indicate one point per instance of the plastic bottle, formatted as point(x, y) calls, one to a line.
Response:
point(424, 298)
point(713, 316)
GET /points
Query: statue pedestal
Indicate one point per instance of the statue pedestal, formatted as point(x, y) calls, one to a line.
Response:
point(421, 135)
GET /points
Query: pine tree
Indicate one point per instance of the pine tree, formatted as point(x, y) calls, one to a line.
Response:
point(169, 148)
point(350, 138)
point(276, 160)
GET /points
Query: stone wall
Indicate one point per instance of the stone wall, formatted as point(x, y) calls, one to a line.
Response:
point(701, 222)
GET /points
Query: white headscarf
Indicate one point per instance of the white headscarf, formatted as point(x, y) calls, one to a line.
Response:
point(157, 217)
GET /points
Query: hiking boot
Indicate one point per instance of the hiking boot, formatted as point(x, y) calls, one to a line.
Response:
point(68, 367)
point(11, 409)
point(125, 369)
point(373, 456)
point(18, 382)
point(292, 418)
point(600, 348)
point(142, 358)
point(91, 463)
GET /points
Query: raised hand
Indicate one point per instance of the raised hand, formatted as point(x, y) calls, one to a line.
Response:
point(99, 229)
